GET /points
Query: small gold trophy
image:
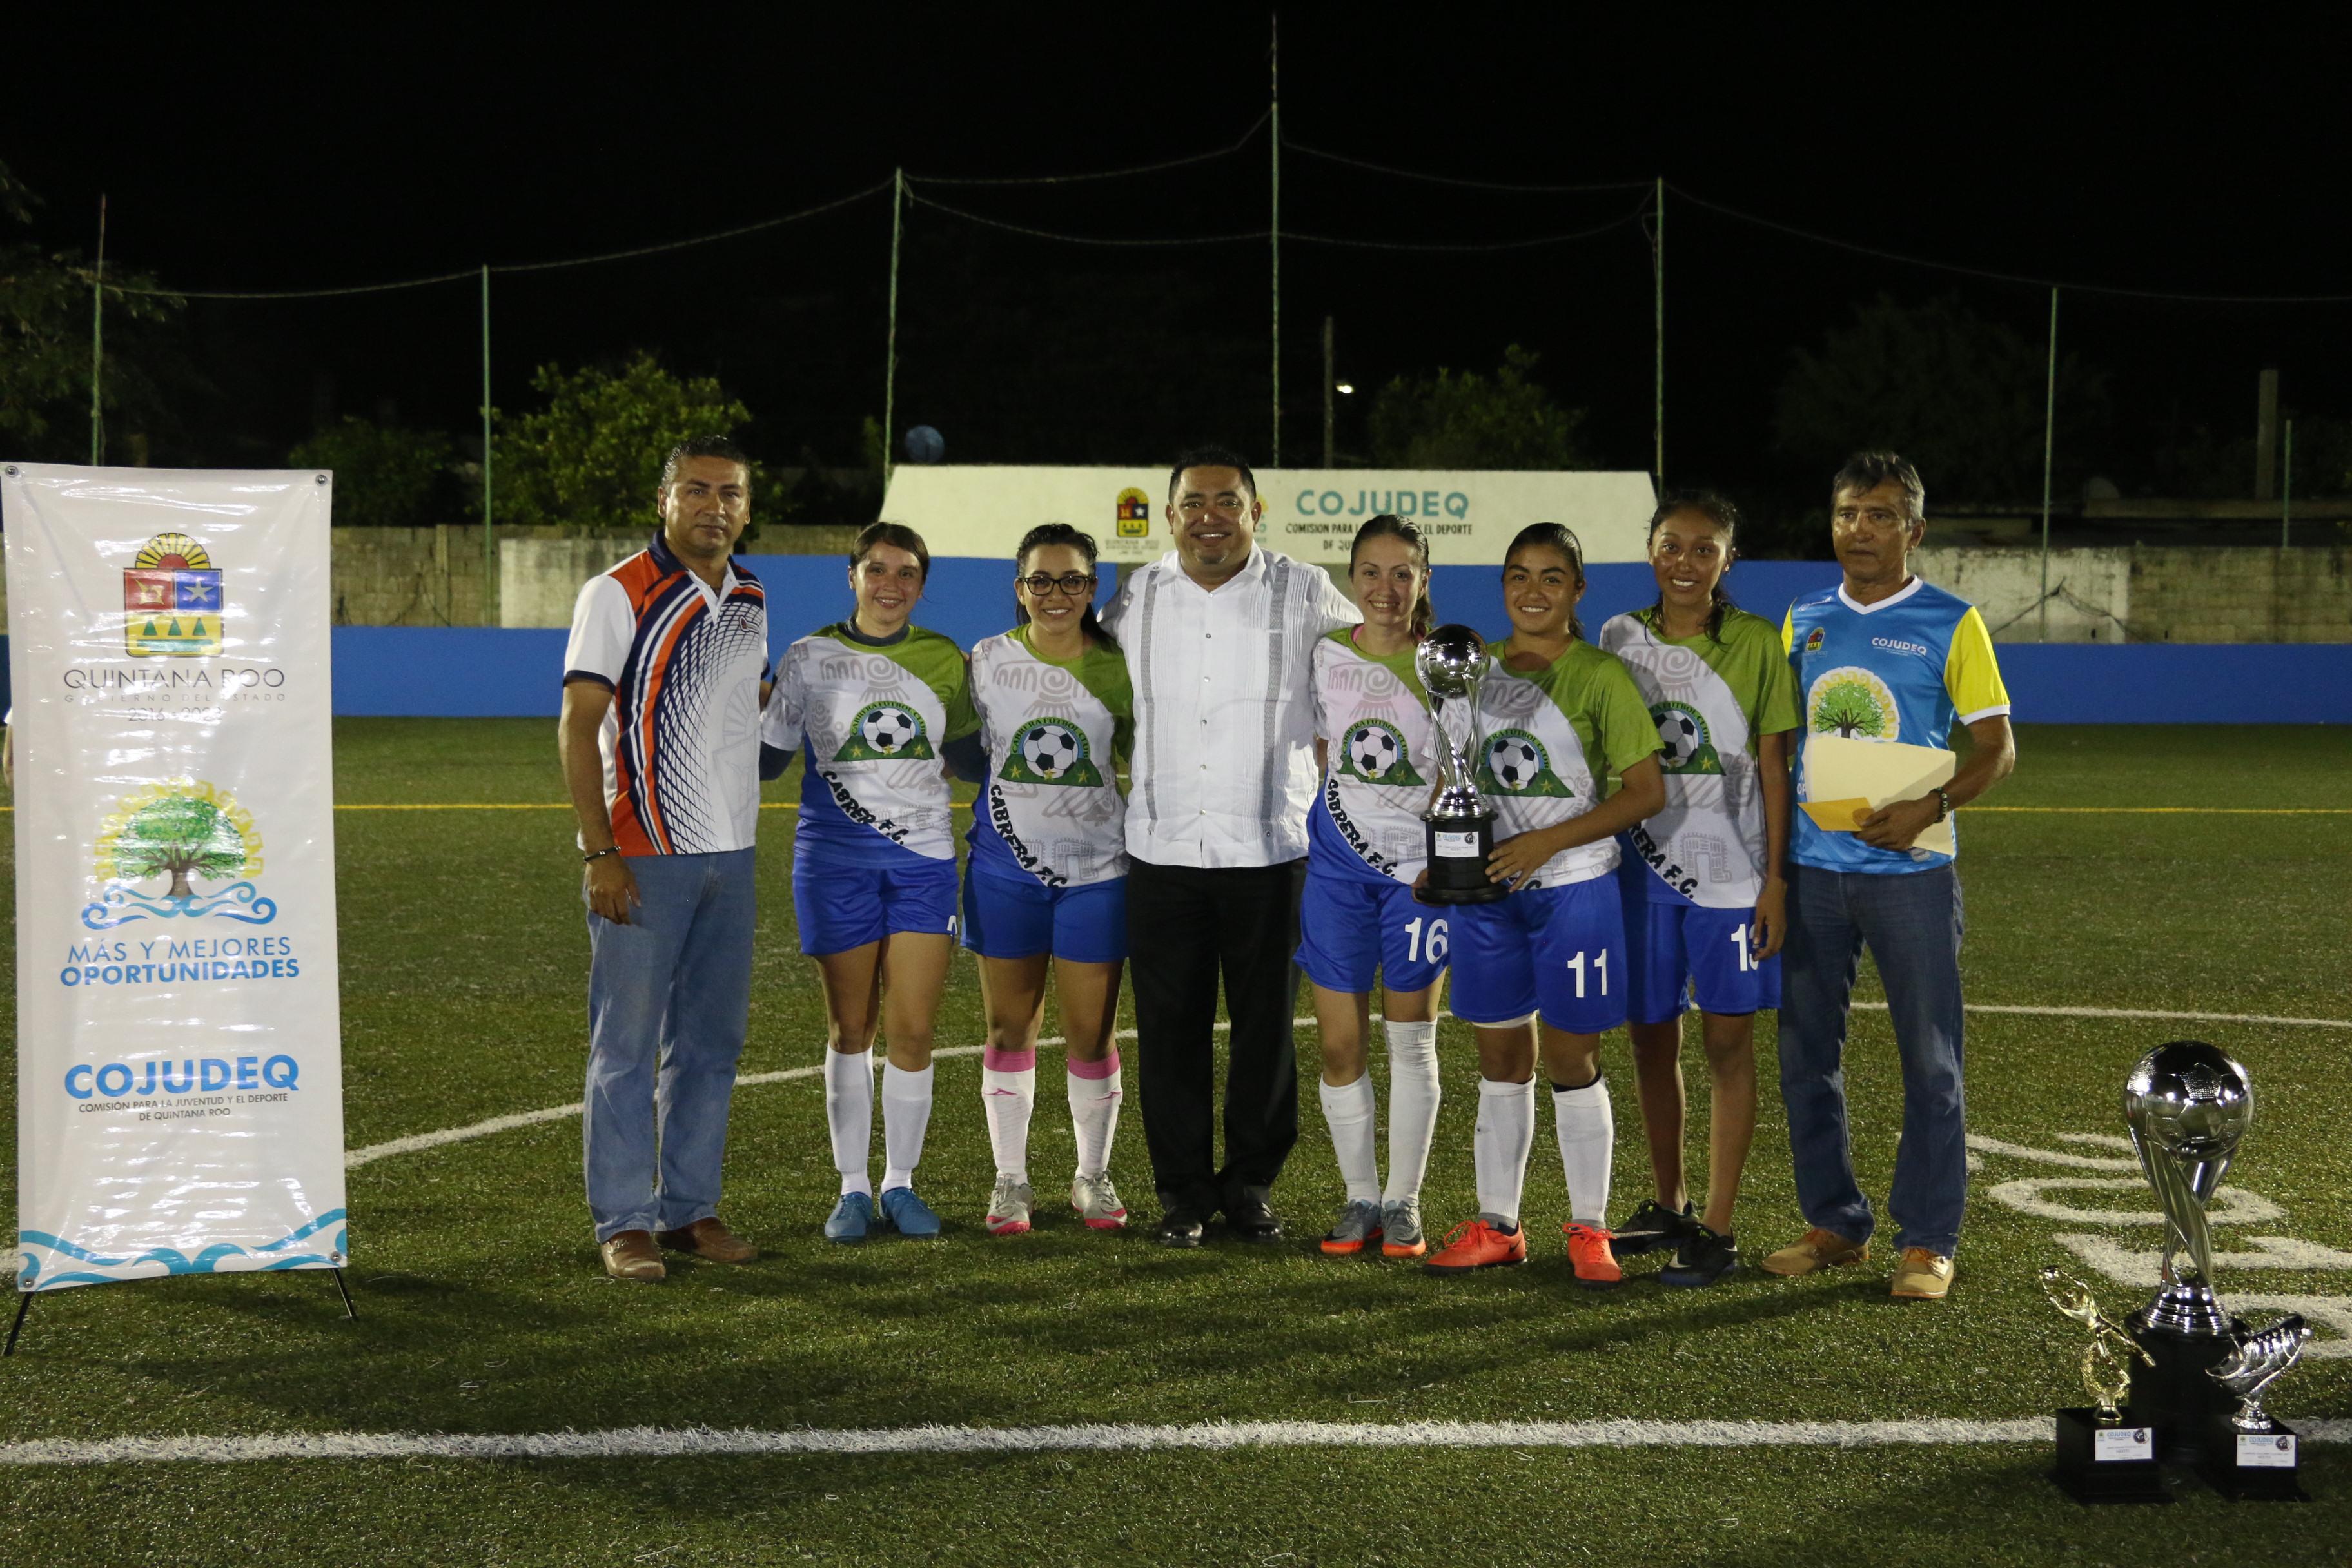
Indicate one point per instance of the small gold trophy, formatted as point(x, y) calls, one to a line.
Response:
point(2103, 1455)
point(2106, 1373)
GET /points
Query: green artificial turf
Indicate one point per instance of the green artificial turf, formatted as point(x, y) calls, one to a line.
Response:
point(482, 1309)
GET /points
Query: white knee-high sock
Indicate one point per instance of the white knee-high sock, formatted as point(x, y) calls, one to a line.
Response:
point(905, 1117)
point(1588, 1143)
point(1349, 1110)
point(1008, 1092)
point(1413, 1104)
point(849, 1115)
point(1507, 1133)
point(1094, 1090)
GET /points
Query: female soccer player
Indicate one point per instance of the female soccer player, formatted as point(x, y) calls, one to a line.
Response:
point(1366, 844)
point(1701, 884)
point(1047, 884)
point(1548, 963)
point(875, 700)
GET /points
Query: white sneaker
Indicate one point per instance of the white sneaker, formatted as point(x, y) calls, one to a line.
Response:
point(1097, 1203)
point(1008, 1206)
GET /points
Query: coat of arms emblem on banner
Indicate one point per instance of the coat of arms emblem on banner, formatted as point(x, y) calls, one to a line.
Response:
point(171, 601)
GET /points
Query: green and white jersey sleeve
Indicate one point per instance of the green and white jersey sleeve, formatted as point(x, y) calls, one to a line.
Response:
point(1710, 698)
point(1549, 740)
point(874, 717)
point(1055, 734)
point(1372, 718)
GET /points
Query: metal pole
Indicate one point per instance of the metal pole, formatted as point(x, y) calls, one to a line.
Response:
point(2286, 486)
point(97, 344)
point(1274, 228)
point(1330, 411)
point(489, 532)
point(2049, 447)
point(891, 361)
point(1658, 306)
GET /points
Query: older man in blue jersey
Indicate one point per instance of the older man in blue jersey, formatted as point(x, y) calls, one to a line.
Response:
point(1884, 657)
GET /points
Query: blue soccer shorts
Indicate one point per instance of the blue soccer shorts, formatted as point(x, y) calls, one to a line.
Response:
point(1557, 952)
point(1020, 917)
point(1351, 927)
point(842, 903)
point(1676, 950)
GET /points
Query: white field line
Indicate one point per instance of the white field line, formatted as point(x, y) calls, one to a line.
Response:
point(2136, 1013)
point(658, 1442)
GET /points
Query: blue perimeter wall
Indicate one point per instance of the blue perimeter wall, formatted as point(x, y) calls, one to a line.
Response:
point(481, 672)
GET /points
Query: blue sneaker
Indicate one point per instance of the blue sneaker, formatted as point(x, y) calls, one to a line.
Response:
point(850, 1219)
point(910, 1214)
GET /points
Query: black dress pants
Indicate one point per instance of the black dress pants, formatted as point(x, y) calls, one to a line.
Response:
point(1186, 928)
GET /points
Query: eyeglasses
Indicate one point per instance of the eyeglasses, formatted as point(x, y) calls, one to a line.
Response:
point(1074, 583)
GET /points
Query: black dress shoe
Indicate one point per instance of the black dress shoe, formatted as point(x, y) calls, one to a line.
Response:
point(1179, 1226)
point(1251, 1219)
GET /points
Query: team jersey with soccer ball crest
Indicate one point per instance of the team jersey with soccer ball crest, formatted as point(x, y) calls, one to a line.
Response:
point(1055, 732)
point(874, 717)
point(1710, 696)
point(1549, 739)
point(1372, 718)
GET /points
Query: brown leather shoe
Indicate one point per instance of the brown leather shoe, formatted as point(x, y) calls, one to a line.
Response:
point(631, 1255)
point(1923, 1275)
point(1817, 1250)
point(709, 1239)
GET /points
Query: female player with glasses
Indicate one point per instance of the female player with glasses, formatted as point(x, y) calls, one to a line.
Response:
point(1366, 843)
point(1047, 884)
point(875, 700)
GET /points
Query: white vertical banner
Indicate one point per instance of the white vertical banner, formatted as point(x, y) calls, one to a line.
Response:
point(179, 1039)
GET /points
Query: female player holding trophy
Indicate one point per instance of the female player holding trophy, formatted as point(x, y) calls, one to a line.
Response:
point(1705, 900)
point(1047, 884)
point(875, 700)
point(1544, 969)
point(1357, 916)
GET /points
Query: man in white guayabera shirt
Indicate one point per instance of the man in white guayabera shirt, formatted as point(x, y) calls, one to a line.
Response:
point(1219, 635)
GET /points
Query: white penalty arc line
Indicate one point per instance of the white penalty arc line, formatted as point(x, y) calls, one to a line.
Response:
point(660, 1442)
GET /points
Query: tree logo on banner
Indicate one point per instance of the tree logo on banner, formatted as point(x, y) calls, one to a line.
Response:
point(187, 831)
point(171, 601)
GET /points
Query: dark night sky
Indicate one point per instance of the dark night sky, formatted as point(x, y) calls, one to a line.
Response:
point(2179, 156)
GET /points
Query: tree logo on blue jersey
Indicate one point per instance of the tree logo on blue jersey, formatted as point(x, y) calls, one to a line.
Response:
point(1853, 702)
point(1375, 752)
point(1684, 746)
point(1515, 763)
point(885, 733)
point(1051, 751)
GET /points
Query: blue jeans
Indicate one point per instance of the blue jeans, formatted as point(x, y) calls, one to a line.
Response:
point(669, 998)
point(1911, 923)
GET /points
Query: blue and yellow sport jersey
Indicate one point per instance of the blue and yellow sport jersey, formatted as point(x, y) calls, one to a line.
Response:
point(1906, 668)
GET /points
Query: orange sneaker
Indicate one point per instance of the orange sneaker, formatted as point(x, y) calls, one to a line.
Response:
point(1475, 1244)
point(1595, 1260)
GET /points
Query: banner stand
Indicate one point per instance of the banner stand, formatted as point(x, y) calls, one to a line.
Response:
point(25, 1306)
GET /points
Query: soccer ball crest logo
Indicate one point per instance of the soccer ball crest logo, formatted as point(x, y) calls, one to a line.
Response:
point(885, 733)
point(1684, 745)
point(1515, 763)
point(1051, 750)
point(1376, 753)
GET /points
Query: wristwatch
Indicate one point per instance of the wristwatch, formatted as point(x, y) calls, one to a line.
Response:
point(1943, 804)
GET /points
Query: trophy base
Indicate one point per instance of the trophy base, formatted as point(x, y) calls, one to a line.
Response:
point(2101, 1464)
point(1458, 851)
point(2254, 1467)
point(1491, 893)
point(2176, 1395)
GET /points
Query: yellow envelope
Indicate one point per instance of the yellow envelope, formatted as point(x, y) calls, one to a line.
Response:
point(1838, 816)
point(1840, 771)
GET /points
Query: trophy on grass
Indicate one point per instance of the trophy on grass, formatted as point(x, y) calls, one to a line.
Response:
point(1452, 664)
point(2104, 1455)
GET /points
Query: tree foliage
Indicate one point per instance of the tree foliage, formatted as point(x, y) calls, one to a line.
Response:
point(590, 459)
point(1963, 397)
point(1851, 708)
point(184, 835)
point(387, 477)
point(1462, 419)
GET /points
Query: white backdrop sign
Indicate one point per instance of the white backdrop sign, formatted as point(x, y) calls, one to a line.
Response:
point(179, 1074)
point(1311, 514)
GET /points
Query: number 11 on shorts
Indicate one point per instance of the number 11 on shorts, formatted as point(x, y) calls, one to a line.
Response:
point(1600, 970)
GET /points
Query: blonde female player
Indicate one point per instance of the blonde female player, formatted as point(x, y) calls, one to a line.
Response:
point(1543, 971)
point(1047, 883)
point(872, 702)
point(1365, 845)
point(1704, 896)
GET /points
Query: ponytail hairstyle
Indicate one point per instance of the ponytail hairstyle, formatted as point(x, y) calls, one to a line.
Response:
point(1388, 525)
point(1718, 510)
point(1077, 538)
point(1553, 536)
